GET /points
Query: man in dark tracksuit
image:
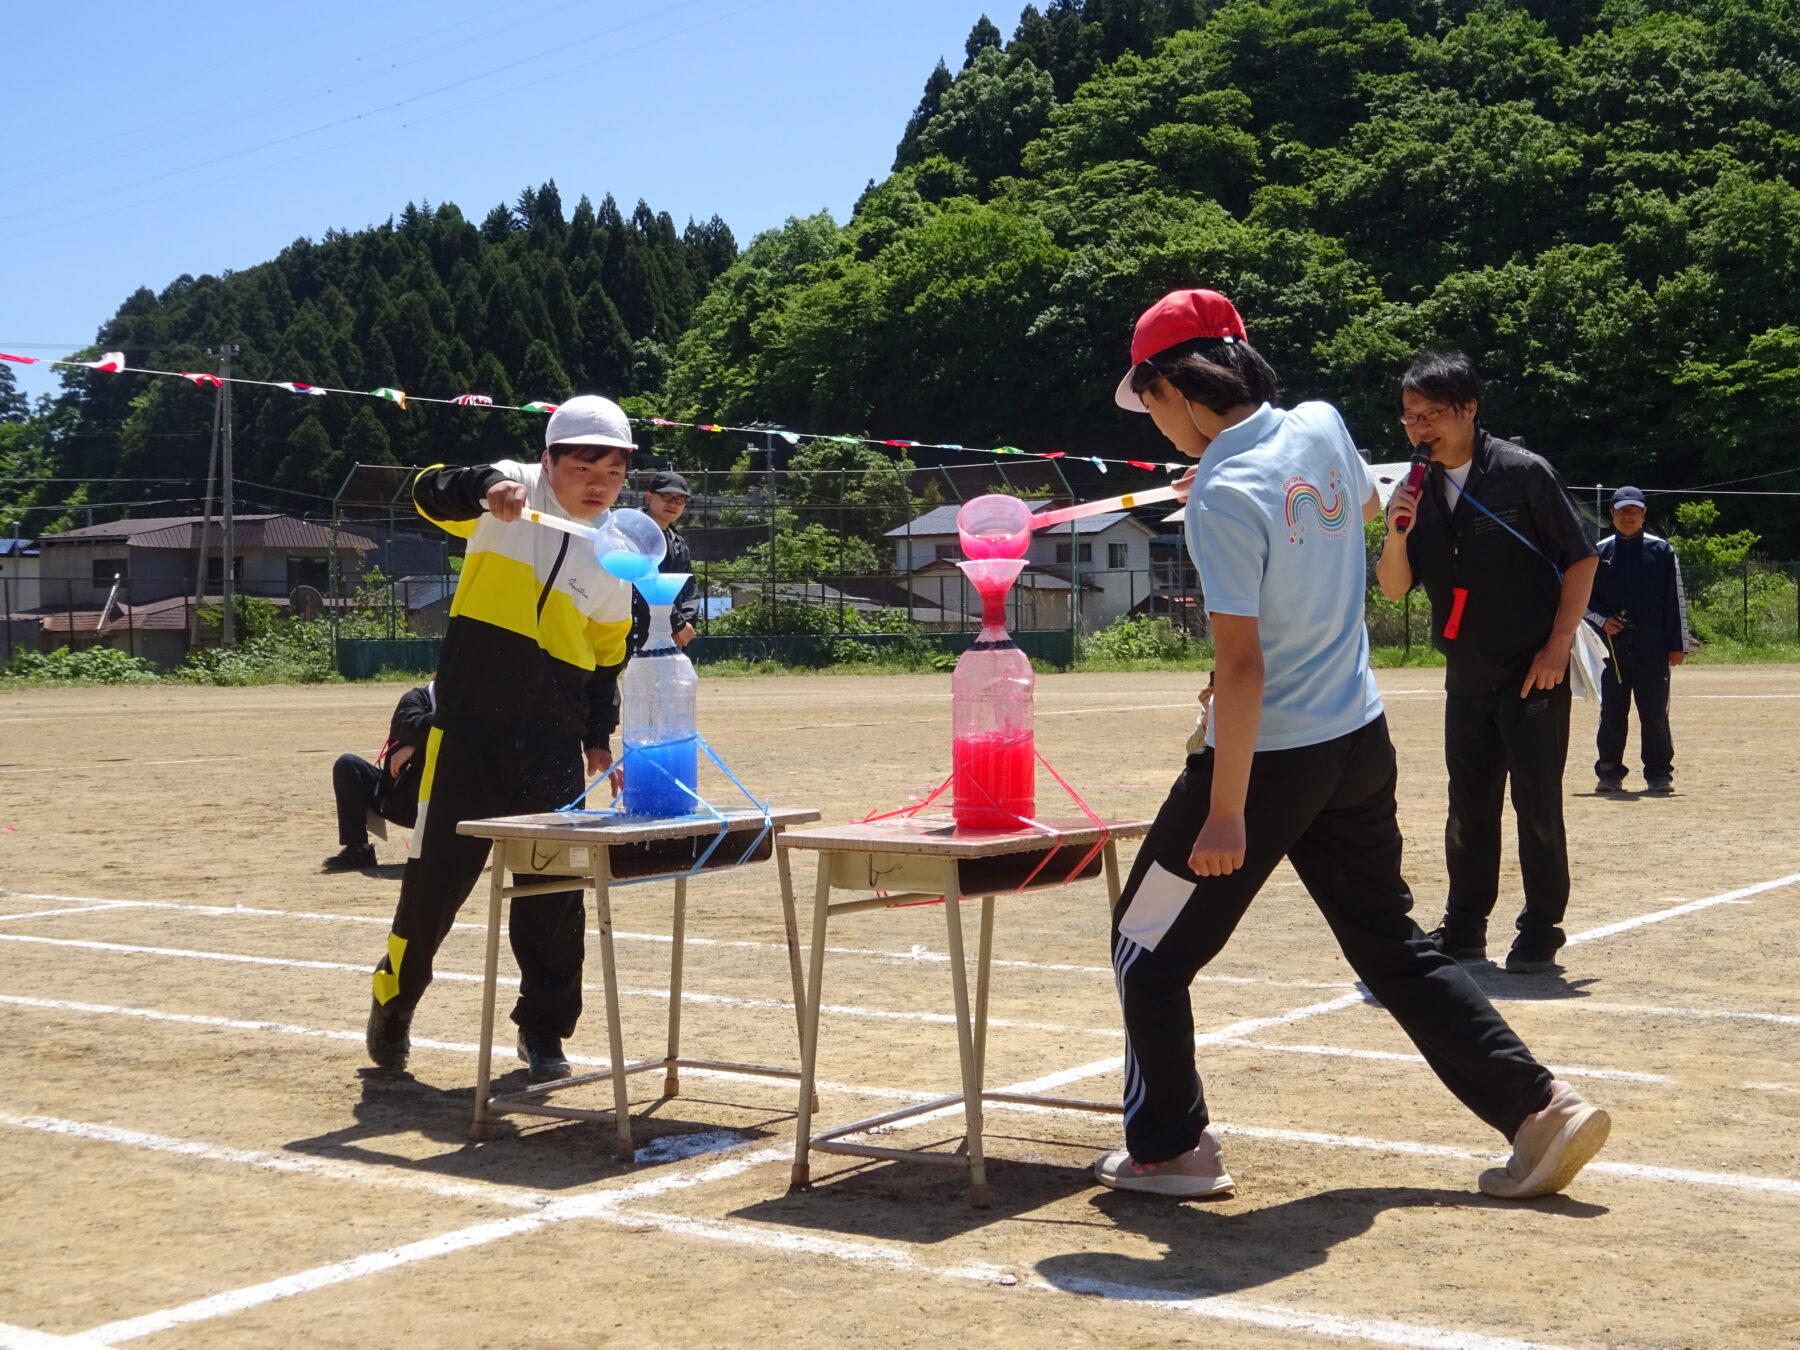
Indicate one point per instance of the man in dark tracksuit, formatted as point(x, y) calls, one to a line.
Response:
point(518, 699)
point(664, 500)
point(1507, 586)
point(389, 787)
point(1639, 606)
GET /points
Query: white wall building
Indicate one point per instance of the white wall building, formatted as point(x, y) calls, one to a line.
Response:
point(1109, 554)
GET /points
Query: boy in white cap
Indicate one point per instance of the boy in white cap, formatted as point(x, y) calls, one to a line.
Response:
point(521, 695)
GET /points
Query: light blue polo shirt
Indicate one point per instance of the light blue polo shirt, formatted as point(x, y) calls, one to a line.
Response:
point(1274, 524)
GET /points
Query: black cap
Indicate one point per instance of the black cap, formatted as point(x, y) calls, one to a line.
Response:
point(667, 480)
point(1628, 496)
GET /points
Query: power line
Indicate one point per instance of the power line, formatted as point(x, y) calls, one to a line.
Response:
point(62, 163)
point(387, 131)
point(555, 50)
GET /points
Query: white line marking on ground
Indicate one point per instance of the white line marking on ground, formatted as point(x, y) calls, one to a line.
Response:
point(1770, 1087)
point(609, 1206)
point(1562, 1070)
point(513, 1197)
point(597, 1205)
point(123, 764)
point(688, 996)
point(1636, 1171)
point(24, 1338)
point(1736, 696)
point(1290, 1319)
point(418, 1042)
point(58, 913)
point(1691, 907)
point(918, 952)
point(1596, 1005)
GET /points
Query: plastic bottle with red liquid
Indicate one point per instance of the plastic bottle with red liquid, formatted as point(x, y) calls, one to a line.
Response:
point(993, 752)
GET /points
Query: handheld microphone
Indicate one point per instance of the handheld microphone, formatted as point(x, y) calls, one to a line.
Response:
point(1415, 479)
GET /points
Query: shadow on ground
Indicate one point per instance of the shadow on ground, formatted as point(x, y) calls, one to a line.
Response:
point(1209, 1252)
point(398, 1117)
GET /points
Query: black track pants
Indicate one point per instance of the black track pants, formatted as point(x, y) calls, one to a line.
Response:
point(353, 783)
point(1489, 741)
point(1646, 680)
point(471, 774)
point(1329, 809)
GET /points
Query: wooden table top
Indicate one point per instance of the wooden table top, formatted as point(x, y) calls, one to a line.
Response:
point(573, 827)
point(937, 836)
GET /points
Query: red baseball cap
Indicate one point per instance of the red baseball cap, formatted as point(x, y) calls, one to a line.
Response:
point(1180, 316)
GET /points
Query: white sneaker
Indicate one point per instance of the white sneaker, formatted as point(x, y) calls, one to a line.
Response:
point(1550, 1148)
point(1199, 1171)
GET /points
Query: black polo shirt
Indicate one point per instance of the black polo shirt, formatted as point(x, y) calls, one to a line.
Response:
point(1513, 592)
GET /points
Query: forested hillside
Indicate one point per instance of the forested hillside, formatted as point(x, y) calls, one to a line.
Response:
point(532, 303)
point(1595, 198)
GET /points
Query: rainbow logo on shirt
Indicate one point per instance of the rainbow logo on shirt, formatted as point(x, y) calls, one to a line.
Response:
point(1303, 498)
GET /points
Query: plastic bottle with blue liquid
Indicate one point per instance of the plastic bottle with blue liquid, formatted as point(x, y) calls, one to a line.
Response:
point(658, 718)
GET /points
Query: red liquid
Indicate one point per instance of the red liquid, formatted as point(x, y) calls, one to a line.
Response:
point(996, 781)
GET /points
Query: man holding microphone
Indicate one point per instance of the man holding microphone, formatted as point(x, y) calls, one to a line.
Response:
point(1505, 560)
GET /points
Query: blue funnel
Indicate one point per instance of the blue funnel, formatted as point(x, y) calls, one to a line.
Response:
point(661, 588)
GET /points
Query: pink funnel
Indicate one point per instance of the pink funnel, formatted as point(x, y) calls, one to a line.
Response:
point(992, 578)
point(994, 526)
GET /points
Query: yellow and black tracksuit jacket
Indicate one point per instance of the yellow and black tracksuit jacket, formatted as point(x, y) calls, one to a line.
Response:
point(537, 628)
point(534, 617)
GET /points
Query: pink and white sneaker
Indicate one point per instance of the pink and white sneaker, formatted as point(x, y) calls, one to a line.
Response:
point(1198, 1172)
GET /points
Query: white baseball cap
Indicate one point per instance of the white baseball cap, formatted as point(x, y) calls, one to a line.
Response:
point(589, 420)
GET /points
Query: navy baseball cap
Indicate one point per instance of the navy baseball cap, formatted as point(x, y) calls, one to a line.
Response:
point(1628, 496)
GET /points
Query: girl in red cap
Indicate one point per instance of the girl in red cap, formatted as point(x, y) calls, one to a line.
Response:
point(1297, 764)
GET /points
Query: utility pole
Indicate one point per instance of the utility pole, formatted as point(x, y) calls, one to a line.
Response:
point(200, 554)
point(229, 633)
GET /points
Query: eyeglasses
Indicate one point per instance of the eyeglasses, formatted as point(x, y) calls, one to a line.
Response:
point(1429, 415)
point(672, 498)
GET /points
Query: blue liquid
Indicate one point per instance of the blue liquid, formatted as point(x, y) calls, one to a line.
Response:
point(626, 565)
point(649, 790)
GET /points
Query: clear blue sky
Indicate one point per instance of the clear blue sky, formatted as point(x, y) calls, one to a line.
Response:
point(147, 141)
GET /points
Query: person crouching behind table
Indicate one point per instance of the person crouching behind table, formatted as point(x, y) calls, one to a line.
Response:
point(1297, 764)
point(1639, 605)
point(534, 628)
point(388, 788)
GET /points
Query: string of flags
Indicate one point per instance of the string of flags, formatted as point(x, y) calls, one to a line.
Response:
point(113, 363)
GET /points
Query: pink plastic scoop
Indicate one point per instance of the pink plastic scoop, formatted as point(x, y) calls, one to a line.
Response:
point(998, 526)
point(1045, 519)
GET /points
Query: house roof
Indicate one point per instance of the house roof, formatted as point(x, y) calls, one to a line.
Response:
point(169, 614)
point(941, 520)
point(269, 530)
point(18, 548)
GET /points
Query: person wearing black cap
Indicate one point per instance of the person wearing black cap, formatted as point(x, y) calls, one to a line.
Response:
point(1639, 605)
point(1505, 559)
point(665, 498)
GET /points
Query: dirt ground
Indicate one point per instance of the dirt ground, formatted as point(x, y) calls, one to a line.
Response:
point(195, 1152)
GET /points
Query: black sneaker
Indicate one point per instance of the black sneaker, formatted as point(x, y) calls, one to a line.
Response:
point(543, 1056)
point(1460, 941)
point(351, 858)
point(1664, 785)
point(1535, 953)
point(388, 1036)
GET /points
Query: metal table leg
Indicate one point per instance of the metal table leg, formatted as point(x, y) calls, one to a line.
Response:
point(615, 1033)
point(672, 1074)
point(791, 927)
point(965, 1040)
point(478, 1127)
point(809, 1024)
